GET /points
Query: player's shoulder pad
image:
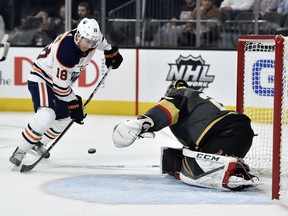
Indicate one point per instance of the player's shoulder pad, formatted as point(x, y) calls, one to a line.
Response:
point(68, 54)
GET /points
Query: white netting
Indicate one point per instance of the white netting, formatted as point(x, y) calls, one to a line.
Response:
point(259, 71)
point(258, 101)
point(284, 129)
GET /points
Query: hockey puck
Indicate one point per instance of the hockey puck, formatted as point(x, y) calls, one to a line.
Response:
point(91, 150)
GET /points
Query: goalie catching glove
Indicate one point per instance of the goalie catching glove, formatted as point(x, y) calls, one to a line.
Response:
point(125, 133)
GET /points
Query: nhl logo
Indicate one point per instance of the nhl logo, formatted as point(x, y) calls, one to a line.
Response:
point(191, 69)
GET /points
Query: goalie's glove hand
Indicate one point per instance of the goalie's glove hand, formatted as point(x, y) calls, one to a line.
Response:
point(125, 133)
point(76, 110)
point(113, 58)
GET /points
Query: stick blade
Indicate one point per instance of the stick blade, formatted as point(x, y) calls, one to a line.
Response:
point(27, 168)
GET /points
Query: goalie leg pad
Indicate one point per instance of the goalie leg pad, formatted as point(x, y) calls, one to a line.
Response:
point(207, 170)
point(216, 171)
point(171, 161)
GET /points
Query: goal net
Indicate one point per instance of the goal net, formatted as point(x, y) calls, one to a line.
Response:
point(262, 95)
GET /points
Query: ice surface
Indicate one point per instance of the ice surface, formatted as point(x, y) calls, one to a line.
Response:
point(112, 181)
point(145, 189)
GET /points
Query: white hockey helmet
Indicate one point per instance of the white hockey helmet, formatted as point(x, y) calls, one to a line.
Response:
point(89, 28)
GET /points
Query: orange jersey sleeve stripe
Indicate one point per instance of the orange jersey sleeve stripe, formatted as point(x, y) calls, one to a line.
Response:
point(62, 92)
point(41, 74)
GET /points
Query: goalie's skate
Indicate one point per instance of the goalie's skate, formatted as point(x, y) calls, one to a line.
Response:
point(242, 178)
point(238, 183)
point(17, 157)
point(39, 149)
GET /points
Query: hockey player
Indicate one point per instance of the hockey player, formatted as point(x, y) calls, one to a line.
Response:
point(214, 139)
point(56, 68)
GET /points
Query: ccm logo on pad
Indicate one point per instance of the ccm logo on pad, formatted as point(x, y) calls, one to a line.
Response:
point(208, 157)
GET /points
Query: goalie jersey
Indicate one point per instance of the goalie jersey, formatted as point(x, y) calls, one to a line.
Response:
point(193, 117)
point(61, 63)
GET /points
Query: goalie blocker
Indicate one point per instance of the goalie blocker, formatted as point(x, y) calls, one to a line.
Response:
point(207, 170)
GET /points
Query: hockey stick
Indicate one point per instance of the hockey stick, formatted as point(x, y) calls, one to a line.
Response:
point(6, 46)
point(26, 168)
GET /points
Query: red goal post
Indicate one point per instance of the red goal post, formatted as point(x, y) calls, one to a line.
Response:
point(262, 95)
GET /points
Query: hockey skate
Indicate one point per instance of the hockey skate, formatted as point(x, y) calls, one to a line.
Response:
point(242, 178)
point(39, 149)
point(17, 157)
point(237, 183)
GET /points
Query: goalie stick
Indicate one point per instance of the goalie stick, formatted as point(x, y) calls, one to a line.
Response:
point(26, 168)
point(6, 46)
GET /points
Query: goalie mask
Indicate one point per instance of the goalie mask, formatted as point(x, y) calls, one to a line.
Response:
point(176, 84)
point(89, 28)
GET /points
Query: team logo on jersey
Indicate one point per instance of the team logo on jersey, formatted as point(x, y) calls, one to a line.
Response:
point(191, 69)
point(75, 76)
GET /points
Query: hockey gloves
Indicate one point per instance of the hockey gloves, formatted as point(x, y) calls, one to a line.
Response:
point(125, 133)
point(76, 111)
point(113, 58)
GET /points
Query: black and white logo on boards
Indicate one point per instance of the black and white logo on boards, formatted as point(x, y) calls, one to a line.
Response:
point(191, 69)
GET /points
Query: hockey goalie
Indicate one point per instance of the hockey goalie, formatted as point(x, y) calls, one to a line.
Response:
point(215, 140)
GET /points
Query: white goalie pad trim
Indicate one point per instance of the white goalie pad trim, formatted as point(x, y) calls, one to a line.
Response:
point(206, 156)
point(216, 170)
